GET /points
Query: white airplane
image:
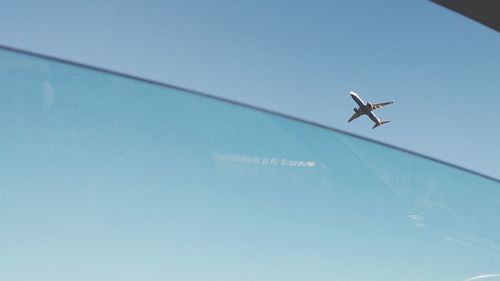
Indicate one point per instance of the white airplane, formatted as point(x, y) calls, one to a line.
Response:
point(367, 109)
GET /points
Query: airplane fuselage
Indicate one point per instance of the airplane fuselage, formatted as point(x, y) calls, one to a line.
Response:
point(367, 109)
point(364, 108)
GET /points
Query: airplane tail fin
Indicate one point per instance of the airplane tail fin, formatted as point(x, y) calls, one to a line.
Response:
point(380, 123)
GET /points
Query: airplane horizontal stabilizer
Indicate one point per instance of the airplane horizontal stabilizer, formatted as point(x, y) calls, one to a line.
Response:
point(381, 123)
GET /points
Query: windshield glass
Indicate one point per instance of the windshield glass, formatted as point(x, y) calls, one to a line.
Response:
point(106, 177)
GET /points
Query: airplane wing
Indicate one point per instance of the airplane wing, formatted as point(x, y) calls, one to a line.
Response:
point(379, 105)
point(357, 99)
point(354, 116)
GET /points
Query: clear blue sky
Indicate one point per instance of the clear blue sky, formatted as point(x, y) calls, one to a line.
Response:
point(299, 58)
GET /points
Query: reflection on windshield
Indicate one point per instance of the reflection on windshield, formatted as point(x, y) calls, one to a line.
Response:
point(485, 277)
point(104, 177)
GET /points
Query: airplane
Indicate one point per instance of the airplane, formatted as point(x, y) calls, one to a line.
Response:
point(367, 109)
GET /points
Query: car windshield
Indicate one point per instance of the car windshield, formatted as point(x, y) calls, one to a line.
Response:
point(109, 177)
